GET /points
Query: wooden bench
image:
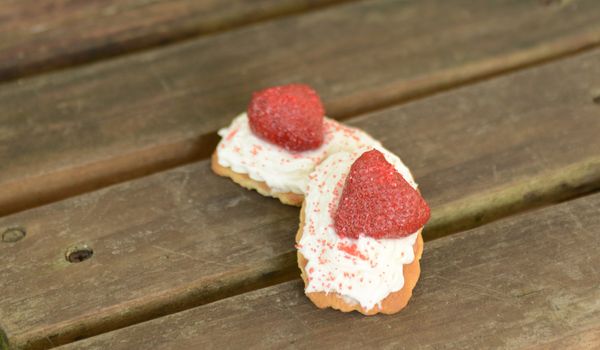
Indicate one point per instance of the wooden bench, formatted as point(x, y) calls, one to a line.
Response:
point(495, 107)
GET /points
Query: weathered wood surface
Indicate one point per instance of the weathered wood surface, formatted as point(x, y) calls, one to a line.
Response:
point(529, 280)
point(78, 130)
point(39, 35)
point(183, 237)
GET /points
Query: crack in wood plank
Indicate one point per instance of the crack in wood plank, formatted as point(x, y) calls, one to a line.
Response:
point(86, 37)
point(547, 188)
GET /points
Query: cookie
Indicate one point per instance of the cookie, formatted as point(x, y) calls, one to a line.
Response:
point(368, 273)
point(261, 187)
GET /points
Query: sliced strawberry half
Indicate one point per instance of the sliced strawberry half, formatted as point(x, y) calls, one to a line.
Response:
point(290, 116)
point(378, 202)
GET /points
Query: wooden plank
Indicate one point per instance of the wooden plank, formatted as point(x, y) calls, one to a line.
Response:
point(75, 131)
point(521, 282)
point(185, 237)
point(585, 339)
point(40, 35)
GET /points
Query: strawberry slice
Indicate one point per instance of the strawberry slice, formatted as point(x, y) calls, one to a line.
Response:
point(290, 116)
point(378, 202)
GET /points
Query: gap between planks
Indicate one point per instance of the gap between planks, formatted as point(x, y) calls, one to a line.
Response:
point(112, 45)
point(577, 180)
point(166, 303)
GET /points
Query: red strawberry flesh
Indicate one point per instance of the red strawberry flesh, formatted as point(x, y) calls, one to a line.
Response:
point(290, 116)
point(378, 202)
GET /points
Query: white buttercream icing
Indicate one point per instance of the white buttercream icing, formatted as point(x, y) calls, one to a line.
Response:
point(364, 270)
point(282, 170)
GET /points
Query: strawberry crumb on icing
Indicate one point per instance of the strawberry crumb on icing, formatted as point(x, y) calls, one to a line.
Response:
point(290, 116)
point(352, 251)
point(282, 170)
point(363, 270)
point(378, 202)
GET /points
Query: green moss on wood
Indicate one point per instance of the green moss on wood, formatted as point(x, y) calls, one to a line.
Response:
point(3, 340)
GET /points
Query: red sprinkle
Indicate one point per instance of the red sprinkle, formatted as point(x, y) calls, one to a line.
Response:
point(231, 135)
point(351, 250)
point(290, 116)
point(255, 149)
point(378, 202)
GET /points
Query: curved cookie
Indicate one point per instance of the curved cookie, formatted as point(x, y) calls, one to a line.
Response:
point(261, 187)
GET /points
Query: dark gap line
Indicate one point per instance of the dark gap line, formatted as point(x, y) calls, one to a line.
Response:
point(164, 305)
point(150, 41)
point(429, 92)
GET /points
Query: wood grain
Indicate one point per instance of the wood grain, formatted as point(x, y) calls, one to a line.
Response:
point(40, 35)
point(185, 237)
point(78, 130)
point(516, 283)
